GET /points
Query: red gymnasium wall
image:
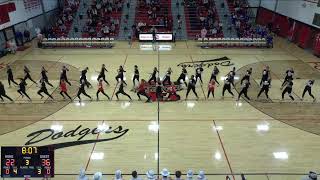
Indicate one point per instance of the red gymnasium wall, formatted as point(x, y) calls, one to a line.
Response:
point(305, 36)
point(5, 9)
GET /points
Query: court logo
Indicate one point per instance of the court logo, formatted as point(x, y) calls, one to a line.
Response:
point(79, 133)
point(223, 61)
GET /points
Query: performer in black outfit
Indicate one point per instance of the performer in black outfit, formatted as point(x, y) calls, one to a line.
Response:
point(227, 85)
point(307, 88)
point(27, 74)
point(214, 74)
point(159, 89)
point(264, 88)
point(246, 76)
point(121, 75)
point(63, 75)
point(288, 89)
point(84, 77)
point(289, 77)
point(167, 79)
point(44, 76)
point(135, 76)
point(102, 74)
point(10, 76)
point(153, 75)
point(245, 86)
point(265, 76)
point(232, 74)
point(3, 93)
point(22, 88)
point(199, 71)
point(121, 91)
point(192, 86)
point(43, 89)
point(82, 90)
point(183, 76)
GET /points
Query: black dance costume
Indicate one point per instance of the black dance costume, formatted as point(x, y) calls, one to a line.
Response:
point(22, 89)
point(199, 71)
point(135, 77)
point(84, 78)
point(167, 79)
point(153, 76)
point(246, 76)
point(227, 86)
point(244, 90)
point(43, 89)
point(27, 75)
point(102, 75)
point(289, 77)
point(120, 75)
point(264, 88)
point(182, 77)
point(288, 90)
point(121, 91)
point(10, 76)
point(192, 86)
point(63, 75)
point(82, 91)
point(214, 75)
point(308, 88)
point(45, 77)
point(3, 93)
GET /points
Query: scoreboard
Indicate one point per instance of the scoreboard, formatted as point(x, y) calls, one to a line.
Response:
point(27, 161)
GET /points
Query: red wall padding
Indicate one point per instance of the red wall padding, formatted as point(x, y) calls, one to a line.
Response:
point(301, 33)
point(5, 9)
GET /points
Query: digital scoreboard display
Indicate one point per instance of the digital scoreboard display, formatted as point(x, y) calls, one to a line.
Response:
point(27, 162)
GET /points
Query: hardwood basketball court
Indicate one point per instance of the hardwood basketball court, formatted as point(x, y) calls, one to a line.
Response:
point(267, 140)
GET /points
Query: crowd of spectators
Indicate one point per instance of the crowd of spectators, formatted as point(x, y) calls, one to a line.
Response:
point(153, 14)
point(208, 20)
point(150, 175)
point(103, 18)
point(240, 20)
point(64, 23)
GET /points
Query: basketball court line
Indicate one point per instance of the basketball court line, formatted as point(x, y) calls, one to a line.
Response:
point(224, 151)
point(94, 145)
point(145, 120)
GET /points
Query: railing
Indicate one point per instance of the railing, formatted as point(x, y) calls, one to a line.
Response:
point(233, 42)
point(77, 42)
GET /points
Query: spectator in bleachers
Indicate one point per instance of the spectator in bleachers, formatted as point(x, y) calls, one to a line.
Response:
point(201, 176)
point(178, 175)
point(118, 175)
point(97, 176)
point(150, 175)
point(165, 174)
point(189, 175)
point(311, 176)
point(135, 176)
point(82, 175)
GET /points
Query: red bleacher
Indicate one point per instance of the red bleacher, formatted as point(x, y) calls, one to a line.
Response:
point(163, 10)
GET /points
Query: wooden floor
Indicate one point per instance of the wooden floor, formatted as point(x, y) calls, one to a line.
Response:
point(219, 136)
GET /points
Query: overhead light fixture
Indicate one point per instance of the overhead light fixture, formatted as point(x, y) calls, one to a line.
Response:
point(280, 155)
point(97, 155)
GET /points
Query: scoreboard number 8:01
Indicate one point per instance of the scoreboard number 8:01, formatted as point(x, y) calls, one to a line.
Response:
point(27, 161)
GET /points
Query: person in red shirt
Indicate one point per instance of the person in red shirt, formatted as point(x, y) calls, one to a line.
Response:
point(63, 89)
point(100, 89)
point(172, 91)
point(142, 90)
point(211, 87)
